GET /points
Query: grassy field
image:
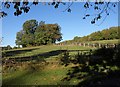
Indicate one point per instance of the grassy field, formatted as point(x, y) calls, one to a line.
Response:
point(115, 41)
point(47, 70)
point(50, 74)
point(106, 41)
point(23, 52)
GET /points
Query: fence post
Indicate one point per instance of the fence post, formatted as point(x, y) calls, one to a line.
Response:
point(79, 44)
point(99, 45)
point(88, 44)
point(84, 44)
point(93, 45)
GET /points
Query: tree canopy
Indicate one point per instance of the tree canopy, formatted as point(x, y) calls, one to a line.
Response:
point(34, 34)
point(106, 34)
point(101, 7)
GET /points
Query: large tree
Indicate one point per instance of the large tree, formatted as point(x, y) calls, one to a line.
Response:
point(26, 36)
point(33, 34)
point(19, 38)
point(48, 34)
point(30, 26)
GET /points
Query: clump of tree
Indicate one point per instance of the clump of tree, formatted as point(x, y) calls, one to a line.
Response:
point(35, 34)
point(106, 34)
point(8, 47)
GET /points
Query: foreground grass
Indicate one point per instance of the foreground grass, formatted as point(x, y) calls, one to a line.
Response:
point(44, 77)
point(51, 74)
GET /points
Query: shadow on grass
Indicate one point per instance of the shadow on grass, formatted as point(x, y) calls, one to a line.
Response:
point(14, 52)
point(101, 68)
point(21, 77)
point(13, 63)
point(35, 57)
point(14, 80)
point(20, 80)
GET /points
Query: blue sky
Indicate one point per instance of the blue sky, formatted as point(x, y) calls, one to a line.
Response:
point(71, 24)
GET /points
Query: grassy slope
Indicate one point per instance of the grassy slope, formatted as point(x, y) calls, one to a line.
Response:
point(115, 41)
point(51, 74)
point(42, 49)
point(106, 41)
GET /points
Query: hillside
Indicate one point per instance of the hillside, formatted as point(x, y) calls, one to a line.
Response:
point(60, 65)
point(107, 35)
point(39, 65)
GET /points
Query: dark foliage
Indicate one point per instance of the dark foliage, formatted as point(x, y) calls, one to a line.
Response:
point(100, 69)
point(8, 47)
point(101, 7)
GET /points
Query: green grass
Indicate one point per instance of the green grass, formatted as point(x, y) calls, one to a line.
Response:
point(105, 41)
point(43, 49)
point(50, 74)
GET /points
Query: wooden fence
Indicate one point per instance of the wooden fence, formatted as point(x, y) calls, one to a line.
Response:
point(98, 45)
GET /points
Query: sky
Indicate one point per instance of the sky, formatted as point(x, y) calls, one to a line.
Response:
point(72, 24)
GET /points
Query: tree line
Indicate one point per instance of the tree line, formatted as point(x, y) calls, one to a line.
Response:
point(36, 34)
point(106, 34)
